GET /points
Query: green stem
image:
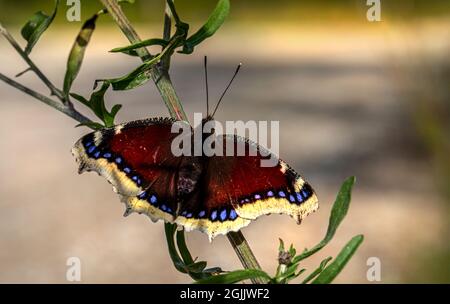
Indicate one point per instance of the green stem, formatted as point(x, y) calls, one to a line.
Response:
point(245, 254)
point(69, 111)
point(160, 76)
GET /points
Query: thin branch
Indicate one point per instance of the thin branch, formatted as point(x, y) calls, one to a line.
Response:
point(165, 62)
point(53, 90)
point(161, 78)
point(69, 111)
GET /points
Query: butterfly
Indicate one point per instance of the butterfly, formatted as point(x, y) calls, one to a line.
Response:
point(214, 194)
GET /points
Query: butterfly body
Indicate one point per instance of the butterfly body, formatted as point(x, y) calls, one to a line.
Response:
point(215, 194)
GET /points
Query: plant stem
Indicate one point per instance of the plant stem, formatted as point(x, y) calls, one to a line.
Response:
point(165, 64)
point(53, 90)
point(69, 111)
point(245, 254)
point(162, 80)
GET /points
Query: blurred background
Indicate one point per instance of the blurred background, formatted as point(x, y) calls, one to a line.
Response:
point(353, 97)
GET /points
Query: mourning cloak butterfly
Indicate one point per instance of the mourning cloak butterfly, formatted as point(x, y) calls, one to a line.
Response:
point(214, 194)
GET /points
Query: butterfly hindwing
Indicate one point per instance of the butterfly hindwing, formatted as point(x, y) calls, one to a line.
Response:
point(235, 190)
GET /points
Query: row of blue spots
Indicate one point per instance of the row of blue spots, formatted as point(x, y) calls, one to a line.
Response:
point(221, 215)
point(297, 197)
point(93, 151)
point(153, 200)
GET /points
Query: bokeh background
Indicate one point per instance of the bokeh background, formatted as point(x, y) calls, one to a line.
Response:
point(353, 97)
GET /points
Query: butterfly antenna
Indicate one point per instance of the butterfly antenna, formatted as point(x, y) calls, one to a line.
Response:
point(206, 84)
point(226, 89)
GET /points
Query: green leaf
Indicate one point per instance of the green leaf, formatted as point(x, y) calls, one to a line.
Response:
point(143, 43)
point(197, 267)
point(36, 26)
point(330, 273)
point(281, 246)
point(97, 104)
point(184, 251)
point(317, 271)
point(215, 20)
point(177, 261)
point(77, 53)
point(91, 124)
point(136, 78)
point(338, 213)
point(142, 74)
point(292, 250)
point(234, 277)
point(286, 274)
point(213, 270)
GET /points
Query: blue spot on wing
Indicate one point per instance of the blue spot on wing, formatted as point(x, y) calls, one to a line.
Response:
point(214, 215)
point(305, 194)
point(153, 199)
point(223, 214)
point(233, 214)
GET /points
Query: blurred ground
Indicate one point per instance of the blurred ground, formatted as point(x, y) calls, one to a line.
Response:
point(343, 99)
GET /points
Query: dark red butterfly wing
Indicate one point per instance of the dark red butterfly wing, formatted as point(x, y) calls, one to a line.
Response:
point(235, 190)
point(136, 159)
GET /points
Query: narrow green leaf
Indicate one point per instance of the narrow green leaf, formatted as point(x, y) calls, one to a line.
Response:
point(77, 53)
point(197, 267)
point(338, 213)
point(97, 104)
point(182, 247)
point(177, 261)
point(234, 277)
point(81, 99)
point(213, 270)
point(134, 79)
point(289, 272)
point(330, 272)
point(281, 246)
point(297, 274)
point(91, 124)
point(36, 26)
point(215, 20)
point(317, 271)
point(292, 250)
point(142, 74)
point(143, 43)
